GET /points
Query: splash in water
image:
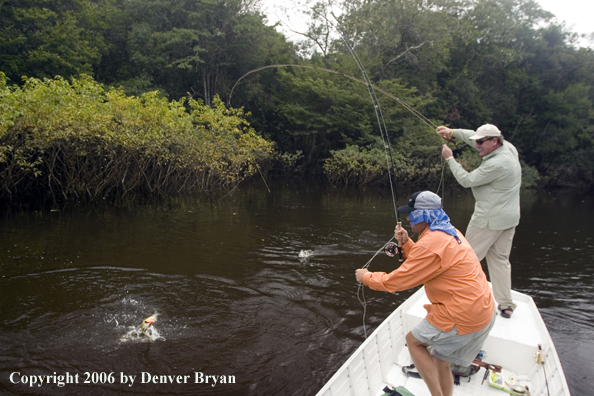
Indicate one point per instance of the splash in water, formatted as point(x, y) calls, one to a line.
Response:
point(145, 332)
point(305, 253)
point(135, 334)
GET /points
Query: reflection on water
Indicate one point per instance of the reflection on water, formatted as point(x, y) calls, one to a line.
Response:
point(235, 298)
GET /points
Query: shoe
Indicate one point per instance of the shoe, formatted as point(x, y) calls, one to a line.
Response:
point(408, 370)
point(506, 312)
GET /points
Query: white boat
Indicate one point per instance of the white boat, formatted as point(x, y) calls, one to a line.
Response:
point(513, 344)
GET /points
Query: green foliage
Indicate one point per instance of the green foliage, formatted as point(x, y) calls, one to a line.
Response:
point(196, 46)
point(460, 63)
point(322, 111)
point(287, 162)
point(327, 112)
point(64, 140)
point(414, 162)
point(356, 166)
point(405, 39)
point(530, 176)
point(47, 38)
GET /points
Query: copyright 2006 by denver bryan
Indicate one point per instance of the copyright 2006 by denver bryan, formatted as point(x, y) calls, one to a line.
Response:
point(112, 378)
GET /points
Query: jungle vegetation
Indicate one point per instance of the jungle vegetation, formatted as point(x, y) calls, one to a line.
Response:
point(105, 99)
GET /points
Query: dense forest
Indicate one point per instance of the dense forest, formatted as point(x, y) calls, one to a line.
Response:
point(107, 98)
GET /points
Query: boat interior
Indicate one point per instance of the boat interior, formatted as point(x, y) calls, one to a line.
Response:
point(513, 344)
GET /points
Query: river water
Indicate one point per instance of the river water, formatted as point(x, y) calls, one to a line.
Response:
point(237, 305)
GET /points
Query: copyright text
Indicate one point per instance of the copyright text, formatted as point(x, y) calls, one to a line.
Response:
point(101, 378)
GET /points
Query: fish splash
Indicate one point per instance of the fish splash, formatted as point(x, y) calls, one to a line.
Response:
point(305, 253)
point(135, 334)
point(144, 332)
point(147, 324)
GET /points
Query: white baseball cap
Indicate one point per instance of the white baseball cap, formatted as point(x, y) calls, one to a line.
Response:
point(487, 130)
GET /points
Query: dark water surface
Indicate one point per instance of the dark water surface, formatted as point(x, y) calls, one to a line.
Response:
point(236, 301)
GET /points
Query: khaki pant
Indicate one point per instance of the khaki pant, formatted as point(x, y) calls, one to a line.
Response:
point(495, 246)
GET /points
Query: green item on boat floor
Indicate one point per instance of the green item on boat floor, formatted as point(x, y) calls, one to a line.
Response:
point(398, 391)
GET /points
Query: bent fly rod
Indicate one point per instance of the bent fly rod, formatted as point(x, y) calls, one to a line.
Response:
point(418, 114)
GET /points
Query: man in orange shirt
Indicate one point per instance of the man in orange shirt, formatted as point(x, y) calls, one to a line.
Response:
point(462, 309)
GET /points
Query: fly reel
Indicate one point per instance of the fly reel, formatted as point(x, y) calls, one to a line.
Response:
point(391, 249)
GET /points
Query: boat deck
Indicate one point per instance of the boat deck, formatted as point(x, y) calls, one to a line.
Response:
point(517, 336)
point(512, 344)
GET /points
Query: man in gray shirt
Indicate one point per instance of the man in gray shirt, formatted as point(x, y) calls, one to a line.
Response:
point(495, 185)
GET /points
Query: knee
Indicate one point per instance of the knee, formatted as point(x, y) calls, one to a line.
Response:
point(411, 340)
point(498, 259)
point(441, 363)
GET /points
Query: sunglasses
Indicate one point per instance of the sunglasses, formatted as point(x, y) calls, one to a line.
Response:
point(479, 142)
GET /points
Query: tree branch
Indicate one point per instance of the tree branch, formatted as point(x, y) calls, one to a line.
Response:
point(404, 53)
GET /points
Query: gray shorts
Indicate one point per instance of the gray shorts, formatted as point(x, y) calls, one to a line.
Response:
point(450, 346)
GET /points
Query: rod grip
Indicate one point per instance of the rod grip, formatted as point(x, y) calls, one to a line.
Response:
point(400, 255)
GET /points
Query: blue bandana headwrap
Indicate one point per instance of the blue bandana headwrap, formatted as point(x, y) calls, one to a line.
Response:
point(437, 220)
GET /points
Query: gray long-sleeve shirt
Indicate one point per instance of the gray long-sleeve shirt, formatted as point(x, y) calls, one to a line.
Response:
point(495, 185)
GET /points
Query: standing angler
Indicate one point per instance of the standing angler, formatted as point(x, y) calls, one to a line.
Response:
point(495, 185)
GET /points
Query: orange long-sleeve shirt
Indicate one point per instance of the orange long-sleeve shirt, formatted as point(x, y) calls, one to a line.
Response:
point(454, 281)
